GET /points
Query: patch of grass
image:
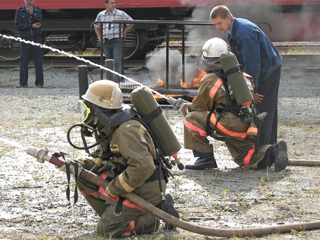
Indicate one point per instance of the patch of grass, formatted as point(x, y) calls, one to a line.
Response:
point(224, 193)
point(46, 120)
point(31, 96)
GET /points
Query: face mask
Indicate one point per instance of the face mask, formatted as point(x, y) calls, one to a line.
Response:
point(87, 113)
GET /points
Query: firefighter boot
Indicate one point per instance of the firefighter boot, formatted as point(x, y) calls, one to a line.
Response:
point(280, 156)
point(167, 206)
point(203, 163)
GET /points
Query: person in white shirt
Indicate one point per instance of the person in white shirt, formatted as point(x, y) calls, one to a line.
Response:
point(110, 37)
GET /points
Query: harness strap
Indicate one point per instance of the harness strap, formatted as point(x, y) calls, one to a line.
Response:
point(160, 158)
point(76, 168)
point(208, 120)
point(155, 176)
point(237, 68)
point(68, 178)
point(118, 210)
point(155, 113)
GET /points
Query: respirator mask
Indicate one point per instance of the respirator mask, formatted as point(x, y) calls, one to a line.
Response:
point(87, 127)
point(87, 114)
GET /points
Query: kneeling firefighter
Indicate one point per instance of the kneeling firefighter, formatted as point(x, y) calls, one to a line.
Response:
point(128, 157)
point(224, 110)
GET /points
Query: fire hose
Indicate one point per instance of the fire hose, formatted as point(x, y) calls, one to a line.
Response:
point(42, 156)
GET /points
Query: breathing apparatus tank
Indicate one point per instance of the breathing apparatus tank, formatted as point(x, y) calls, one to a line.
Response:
point(235, 77)
point(147, 107)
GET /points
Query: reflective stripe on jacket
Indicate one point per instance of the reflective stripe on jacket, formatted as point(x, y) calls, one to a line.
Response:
point(229, 125)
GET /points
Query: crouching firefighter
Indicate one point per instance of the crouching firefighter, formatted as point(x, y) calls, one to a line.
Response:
point(223, 110)
point(128, 157)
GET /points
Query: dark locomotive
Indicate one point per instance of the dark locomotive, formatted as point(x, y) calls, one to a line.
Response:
point(67, 24)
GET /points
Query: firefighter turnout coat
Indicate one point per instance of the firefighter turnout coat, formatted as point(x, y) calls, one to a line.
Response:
point(130, 168)
point(239, 136)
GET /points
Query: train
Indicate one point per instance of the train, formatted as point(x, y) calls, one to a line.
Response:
point(67, 24)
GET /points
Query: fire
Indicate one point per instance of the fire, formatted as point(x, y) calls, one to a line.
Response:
point(167, 95)
point(160, 82)
point(197, 80)
point(193, 84)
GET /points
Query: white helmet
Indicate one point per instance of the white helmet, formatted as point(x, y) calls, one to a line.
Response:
point(214, 47)
point(105, 94)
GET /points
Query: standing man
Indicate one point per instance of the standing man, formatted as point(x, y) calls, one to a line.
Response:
point(110, 39)
point(260, 59)
point(28, 21)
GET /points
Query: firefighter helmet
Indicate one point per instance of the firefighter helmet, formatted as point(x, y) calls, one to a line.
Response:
point(214, 47)
point(105, 94)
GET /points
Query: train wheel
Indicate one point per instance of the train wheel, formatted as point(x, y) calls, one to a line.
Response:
point(8, 49)
point(131, 44)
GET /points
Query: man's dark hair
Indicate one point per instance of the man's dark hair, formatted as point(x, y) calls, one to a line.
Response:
point(106, 1)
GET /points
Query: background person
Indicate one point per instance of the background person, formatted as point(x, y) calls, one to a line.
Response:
point(229, 125)
point(28, 21)
point(110, 39)
point(260, 59)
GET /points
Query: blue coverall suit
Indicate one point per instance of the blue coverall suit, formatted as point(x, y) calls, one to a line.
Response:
point(262, 61)
point(23, 21)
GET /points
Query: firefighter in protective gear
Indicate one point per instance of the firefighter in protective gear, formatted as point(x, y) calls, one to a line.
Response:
point(208, 114)
point(127, 158)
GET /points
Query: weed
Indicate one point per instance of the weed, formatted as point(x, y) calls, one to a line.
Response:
point(176, 182)
point(224, 193)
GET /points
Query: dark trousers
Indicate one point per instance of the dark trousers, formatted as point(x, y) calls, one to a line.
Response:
point(269, 88)
point(28, 51)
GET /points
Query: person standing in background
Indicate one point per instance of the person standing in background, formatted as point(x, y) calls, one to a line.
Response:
point(110, 39)
point(260, 59)
point(28, 21)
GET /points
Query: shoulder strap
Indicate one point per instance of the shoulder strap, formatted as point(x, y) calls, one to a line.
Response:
point(155, 113)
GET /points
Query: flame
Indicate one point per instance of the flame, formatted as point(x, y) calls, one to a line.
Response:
point(183, 84)
point(167, 95)
point(160, 82)
point(195, 82)
point(191, 84)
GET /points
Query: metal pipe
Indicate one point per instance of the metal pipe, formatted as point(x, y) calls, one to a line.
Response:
point(109, 63)
point(183, 54)
point(82, 79)
point(120, 53)
point(167, 56)
point(101, 48)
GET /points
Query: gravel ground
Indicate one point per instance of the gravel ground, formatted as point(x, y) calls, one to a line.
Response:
point(33, 202)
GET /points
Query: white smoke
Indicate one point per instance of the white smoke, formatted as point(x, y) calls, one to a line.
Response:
point(278, 27)
point(299, 23)
point(157, 65)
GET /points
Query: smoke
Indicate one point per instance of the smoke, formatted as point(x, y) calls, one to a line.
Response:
point(297, 25)
point(157, 65)
point(280, 23)
point(200, 34)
